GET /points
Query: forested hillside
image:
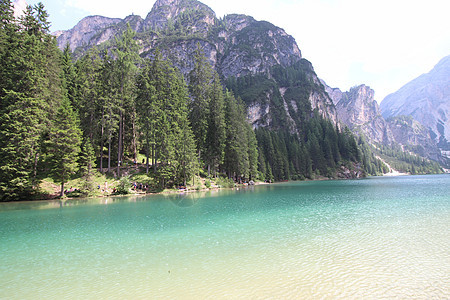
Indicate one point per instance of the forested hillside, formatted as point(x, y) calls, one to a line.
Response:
point(62, 118)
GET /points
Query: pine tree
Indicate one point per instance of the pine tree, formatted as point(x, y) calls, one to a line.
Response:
point(70, 76)
point(126, 58)
point(252, 152)
point(92, 98)
point(162, 100)
point(200, 90)
point(31, 88)
point(147, 106)
point(216, 134)
point(86, 163)
point(109, 107)
point(236, 162)
point(63, 145)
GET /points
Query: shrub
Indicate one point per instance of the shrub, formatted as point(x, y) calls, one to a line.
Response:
point(208, 183)
point(225, 183)
point(123, 187)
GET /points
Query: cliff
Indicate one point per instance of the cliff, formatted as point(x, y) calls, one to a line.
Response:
point(427, 100)
point(358, 110)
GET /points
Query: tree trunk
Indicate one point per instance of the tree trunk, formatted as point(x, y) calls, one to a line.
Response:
point(109, 153)
point(61, 194)
point(101, 156)
point(134, 142)
point(184, 173)
point(120, 142)
point(36, 159)
point(155, 166)
point(101, 145)
point(147, 150)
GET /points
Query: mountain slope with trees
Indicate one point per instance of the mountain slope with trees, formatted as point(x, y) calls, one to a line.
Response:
point(168, 99)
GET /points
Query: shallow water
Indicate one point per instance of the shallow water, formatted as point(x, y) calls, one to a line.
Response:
point(371, 238)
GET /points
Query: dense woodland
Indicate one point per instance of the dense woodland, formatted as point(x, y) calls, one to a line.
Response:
point(61, 118)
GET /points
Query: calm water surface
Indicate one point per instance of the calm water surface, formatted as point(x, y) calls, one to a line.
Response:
point(372, 238)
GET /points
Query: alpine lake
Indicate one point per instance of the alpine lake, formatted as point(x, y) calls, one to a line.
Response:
point(380, 237)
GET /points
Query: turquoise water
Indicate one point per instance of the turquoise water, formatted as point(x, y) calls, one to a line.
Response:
point(373, 238)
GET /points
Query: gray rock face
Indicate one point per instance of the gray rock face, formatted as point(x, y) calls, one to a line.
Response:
point(90, 31)
point(409, 132)
point(427, 100)
point(165, 10)
point(358, 110)
point(237, 45)
point(334, 93)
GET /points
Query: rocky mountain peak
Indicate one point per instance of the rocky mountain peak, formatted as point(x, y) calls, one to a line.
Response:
point(427, 100)
point(165, 10)
point(358, 110)
point(86, 30)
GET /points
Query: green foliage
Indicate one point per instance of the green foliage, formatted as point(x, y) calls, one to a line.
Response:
point(124, 185)
point(407, 162)
point(320, 149)
point(63, 145)
point(200, 90)
point(162, 99)
point(31, 90)
point(123, 74)
point(216, 134)
point(371, 163)
point(240, 148)
point(207, 183)
point(86, 167)
point(225, 182)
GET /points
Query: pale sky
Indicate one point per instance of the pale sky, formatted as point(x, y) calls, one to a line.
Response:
point(381, 43)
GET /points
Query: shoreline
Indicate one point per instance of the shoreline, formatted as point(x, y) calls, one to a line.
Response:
point(174, 192)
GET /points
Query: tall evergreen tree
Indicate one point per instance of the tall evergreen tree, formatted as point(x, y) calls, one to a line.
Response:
point(63, 145)
point(109, 107)
point(216, 134)
point(91, 98)
point(236, 162)
point(70, 76)
point(162, 100)
point(31, 88)
point(126, 57)
point(200, 79)
point(148, 106)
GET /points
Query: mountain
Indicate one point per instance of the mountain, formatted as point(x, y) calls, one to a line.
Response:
point(237, 46)
point(427, 100)
point(358, 110)
point(415, 137)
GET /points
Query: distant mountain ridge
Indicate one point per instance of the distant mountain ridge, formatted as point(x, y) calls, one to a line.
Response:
point(358, 110)
point(427, 100)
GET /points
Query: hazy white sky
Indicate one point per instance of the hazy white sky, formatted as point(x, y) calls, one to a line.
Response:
point(381, 43)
